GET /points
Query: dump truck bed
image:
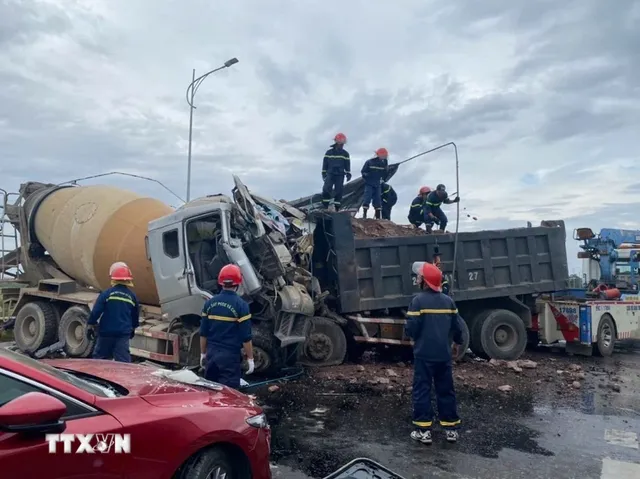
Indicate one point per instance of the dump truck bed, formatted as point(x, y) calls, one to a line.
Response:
point(366, 273)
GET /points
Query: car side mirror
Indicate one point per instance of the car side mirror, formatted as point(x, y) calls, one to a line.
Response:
point(33, 413)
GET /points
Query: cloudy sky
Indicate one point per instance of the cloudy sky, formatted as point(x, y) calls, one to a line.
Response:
point(542, 98)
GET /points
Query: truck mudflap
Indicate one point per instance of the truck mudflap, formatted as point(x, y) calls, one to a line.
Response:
point(363, 468)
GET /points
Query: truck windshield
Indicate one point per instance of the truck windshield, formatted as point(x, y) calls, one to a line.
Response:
point(85, 385)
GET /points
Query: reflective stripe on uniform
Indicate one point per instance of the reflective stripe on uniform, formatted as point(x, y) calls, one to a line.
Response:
point(432, 311)
point(434, 204)
point(226, 318)
point(336, 157)
point(424, 423)
point(118, 298)
point(416, 206)
point(449, 423)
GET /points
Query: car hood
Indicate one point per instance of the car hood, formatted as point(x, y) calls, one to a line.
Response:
point(147, 381)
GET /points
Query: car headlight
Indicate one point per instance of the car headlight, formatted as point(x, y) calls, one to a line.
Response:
point(259, 421)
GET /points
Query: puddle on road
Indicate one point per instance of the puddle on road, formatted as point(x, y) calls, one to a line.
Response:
point(318, 433)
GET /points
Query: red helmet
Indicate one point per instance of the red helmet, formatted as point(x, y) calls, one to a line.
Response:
point(432, 276)
point(424, 190)
point(230, 275)
point(340, 138)
point(121, 273)
point(382, 153)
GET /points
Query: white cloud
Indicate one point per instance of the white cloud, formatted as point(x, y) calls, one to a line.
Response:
point(541, 98)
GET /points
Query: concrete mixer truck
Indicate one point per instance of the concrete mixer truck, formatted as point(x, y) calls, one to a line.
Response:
point(70, 235)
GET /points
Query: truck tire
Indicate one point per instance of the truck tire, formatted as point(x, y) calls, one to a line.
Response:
point(326, 344)
point(267, 354)
point(72, 330)
point(465, 339)
point(606, 337)
point(475, 330)
point(36, 326)
point(503, 335)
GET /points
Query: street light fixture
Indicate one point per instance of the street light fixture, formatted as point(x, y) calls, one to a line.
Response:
point(190, 94)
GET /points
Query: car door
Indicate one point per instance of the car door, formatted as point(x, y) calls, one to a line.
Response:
point(25, 456)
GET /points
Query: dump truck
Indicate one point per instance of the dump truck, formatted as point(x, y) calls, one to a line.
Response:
point(70, 235)
point(498, 276)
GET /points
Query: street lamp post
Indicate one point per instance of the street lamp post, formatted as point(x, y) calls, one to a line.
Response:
point(191, 93)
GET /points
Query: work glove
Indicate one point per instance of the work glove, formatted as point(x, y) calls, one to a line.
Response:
point(251, 365)
point(457, 200)
point(203, 360)
point(348, 176)
point(90, 332)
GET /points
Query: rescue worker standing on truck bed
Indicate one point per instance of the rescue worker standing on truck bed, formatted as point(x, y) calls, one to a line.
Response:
point(417, 211)
point(335, 166)
point(432, 316)
point(389, 200)
point(116, 313)
point(374, 172)
point(225, 328)
point(433, 203)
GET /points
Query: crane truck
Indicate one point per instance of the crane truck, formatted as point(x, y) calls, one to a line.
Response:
point(70, 235)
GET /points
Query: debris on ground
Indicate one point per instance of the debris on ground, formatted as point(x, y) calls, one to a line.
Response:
point(505, 388)
point(533, 372)
point(274, 388)
point(371, 228)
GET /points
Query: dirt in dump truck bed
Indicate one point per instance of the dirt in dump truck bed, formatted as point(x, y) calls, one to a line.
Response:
point(371, 228)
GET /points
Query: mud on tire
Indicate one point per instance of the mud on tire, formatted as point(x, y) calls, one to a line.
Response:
point(326, 344)
point(36, 326)
point(72, 330)
point(503, 335)
point(606, 337)
point(465, 339)
point(267, 353)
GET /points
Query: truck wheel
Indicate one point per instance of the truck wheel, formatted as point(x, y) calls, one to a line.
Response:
point(326, 344)
point(606, 337)
point(36, 326)
point(267, 353)
point(72, 330)
point(475, 330)
point(465, 339)
point(503, 335)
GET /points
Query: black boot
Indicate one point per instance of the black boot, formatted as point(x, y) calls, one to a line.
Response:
point(364, 212)
point(377, 214)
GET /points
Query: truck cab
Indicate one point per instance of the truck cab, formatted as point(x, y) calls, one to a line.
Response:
point(188, 248)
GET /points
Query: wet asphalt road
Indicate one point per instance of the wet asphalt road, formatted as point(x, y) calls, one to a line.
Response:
point(593, 434)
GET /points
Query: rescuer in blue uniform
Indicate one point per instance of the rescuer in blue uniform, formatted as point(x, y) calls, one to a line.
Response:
point(431, 318)
point(225, 328)
point(374, 171)
point(116, 313)
point(389, 200)
point(433, 203)
point(335, 166)
point(417, 211)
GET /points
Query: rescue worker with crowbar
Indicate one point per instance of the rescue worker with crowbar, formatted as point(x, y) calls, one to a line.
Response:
point(336, 164)
point(225, 328)
point(434, 211)
point(431, 318)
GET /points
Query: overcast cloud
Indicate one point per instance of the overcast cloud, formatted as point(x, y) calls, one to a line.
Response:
point(542, 98)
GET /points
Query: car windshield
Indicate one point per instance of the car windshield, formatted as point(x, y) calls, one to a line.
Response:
point(93, 387)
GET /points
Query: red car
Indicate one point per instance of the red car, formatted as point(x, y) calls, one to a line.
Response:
point(161, 428)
